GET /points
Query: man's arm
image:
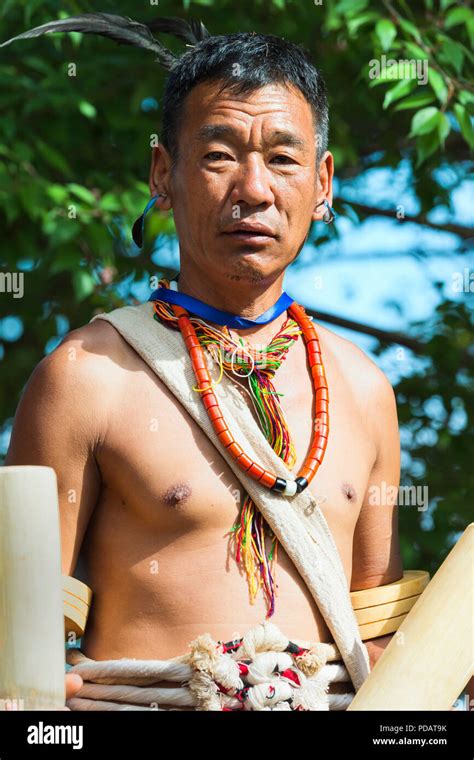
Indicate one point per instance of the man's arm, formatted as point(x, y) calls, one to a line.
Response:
point(58, 424)
point(376, 549)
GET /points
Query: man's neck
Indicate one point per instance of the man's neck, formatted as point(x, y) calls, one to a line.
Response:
point(243, 300)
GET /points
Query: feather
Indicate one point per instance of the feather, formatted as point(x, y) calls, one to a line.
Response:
point(122, 29)
point(191, 31)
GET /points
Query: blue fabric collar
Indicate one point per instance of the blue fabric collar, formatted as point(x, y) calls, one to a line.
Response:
point(201, 309)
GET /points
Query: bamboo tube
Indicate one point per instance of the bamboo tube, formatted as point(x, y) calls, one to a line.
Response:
point(72, 601)
point(77, 588)
point(385, 611)
point(412, 583)
point(74, 622)
point(32, 656)
point(431, 658)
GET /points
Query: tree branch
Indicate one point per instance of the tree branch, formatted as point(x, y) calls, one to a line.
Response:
point(457, 229)
point(385, 336)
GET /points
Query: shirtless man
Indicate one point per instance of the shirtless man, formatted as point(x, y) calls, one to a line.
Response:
point(130, 495)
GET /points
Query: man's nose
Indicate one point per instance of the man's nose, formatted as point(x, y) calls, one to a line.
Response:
point(252, 185)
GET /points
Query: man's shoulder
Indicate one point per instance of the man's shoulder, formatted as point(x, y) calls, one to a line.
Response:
point(98, 338)
point(86, 362)
point(94, 343)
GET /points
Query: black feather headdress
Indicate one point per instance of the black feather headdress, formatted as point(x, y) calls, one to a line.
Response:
point(126, 31)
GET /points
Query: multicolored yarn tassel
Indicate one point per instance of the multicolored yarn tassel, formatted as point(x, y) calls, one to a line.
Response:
point(258, 366)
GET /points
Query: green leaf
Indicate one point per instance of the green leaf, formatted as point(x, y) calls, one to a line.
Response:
point(142, 188)
point(31, 7)
point(451, 53)
point(6, 5)
point(23, 152)
point(446, 3)
point(332, 20)
point(280, 4)
point(66, 259)
point(416, 101)
point(58, 193)
point(38, 64)
point(465, 123)
point(470, 30)
point(401, 89)
point(386, 32)
point(466, 97)
point(457, 16)
point(354, 24)
point(424, 121)
point(351, 7)
point(87, 109)
point(98, 239)
point(444, 127)
point(438, 85)
point(416, 50)
point(53, 157)
point(410, 29)
point(430, 121)
point(83, 193)
point(76, 38)
point(58, 229)
point(83, 284)
point(110, 202)
point(425, 146)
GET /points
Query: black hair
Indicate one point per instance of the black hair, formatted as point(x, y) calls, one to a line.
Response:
point(259, 60)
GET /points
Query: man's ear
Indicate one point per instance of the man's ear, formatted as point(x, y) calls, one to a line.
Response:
point(160, 171)
point(324, 180)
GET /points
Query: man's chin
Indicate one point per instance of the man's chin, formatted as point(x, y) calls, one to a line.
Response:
point(249, 268)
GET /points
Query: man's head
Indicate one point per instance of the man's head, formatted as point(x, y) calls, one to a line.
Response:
point(244, 140)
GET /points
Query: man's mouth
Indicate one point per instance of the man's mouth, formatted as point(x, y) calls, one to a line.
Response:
point(250, 233)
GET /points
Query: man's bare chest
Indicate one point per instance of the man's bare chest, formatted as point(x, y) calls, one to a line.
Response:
point(161, 467)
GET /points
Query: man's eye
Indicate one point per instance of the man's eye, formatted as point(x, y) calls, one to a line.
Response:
point(286, 158)
point(215, 155)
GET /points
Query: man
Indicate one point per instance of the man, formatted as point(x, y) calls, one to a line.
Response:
point(146, 500)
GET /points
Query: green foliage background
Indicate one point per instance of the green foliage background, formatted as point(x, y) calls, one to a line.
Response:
point(84, 141)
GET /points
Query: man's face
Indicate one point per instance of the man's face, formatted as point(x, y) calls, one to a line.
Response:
point(244, 160)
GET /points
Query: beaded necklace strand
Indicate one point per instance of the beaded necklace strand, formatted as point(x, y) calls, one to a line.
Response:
point(257, 366)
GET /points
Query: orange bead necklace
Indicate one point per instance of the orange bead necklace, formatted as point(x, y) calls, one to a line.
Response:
point(321, 424)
